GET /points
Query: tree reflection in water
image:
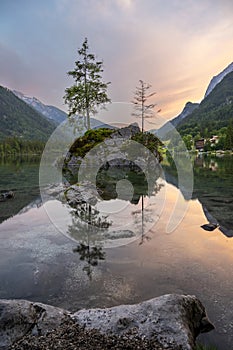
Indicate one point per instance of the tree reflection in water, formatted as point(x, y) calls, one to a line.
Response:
point(90, 228)
point(144, 214)
point(144, 237)
point(90, 255)
point(86, 224)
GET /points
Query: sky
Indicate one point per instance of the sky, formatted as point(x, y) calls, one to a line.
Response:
point(176, 46)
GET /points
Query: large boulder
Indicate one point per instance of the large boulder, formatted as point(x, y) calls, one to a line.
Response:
point(176, 320)
point(79, 194)
point(127, 132)
point(21, 317)
point(114, 141)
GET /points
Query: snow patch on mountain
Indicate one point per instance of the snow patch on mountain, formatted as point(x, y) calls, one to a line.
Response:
point(50, 112)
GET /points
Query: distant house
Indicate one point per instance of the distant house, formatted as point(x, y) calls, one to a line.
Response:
point(214, 139)
point(199, 144)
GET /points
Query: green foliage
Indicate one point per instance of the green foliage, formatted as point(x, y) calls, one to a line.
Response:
point(89, 91)
point(224, 141)
point(20, 120)
point(214, 112)
point(229, 136)
point(90, 139)
point(188, 140)
point(19, 146)
point(150, 141)
point(181, 144)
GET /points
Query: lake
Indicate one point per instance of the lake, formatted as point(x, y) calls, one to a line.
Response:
point(46, 255)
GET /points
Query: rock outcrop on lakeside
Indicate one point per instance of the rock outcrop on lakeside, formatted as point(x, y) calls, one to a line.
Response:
point(168, 322)
point(72, 161)
point(114, 149)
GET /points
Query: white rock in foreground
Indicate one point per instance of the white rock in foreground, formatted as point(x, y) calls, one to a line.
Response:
point(175, 320)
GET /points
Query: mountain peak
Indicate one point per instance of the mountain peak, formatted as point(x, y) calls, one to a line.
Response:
point(188, 109)
point(50, 112)
point(218, 78)
point(188, 104)
point(27, 99)
point(21, 121)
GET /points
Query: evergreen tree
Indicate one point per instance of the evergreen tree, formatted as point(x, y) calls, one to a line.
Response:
point(89, 91)
point(229, 136)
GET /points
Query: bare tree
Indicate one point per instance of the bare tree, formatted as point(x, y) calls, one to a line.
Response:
point(143, 110)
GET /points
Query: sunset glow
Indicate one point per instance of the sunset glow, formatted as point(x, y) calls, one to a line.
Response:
point(175, 46)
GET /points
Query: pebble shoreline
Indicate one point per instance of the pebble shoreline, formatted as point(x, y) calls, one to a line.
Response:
point(71, 336)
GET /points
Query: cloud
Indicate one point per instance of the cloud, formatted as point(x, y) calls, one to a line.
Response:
point(12, 67)
point(176, 46)
point(125, 4)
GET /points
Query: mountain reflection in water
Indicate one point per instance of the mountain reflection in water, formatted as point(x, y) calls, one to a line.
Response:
point(38, 262)
point(213, 186)
point(20, 175)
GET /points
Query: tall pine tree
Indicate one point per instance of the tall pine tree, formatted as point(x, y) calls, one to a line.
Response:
point(89, 91)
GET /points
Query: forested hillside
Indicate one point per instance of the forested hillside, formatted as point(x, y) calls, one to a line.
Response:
point(214, 112)
point(20, 120)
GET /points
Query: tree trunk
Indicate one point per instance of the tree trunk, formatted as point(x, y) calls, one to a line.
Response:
point(88, 120)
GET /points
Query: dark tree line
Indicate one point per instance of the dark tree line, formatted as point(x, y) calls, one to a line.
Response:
point(15, 145)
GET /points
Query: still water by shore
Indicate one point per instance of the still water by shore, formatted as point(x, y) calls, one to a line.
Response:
point(38, 262)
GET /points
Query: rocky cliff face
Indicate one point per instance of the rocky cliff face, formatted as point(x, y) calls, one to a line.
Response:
point(218, 78)
point(174, 320)
point(188, 109)
point(164, 131)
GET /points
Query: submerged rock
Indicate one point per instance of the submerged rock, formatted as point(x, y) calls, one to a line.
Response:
point(210, 226)
point(173, 320)
point(78, 194)
point(6, 195)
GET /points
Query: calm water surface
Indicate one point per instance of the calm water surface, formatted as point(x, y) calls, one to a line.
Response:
point(39, 262)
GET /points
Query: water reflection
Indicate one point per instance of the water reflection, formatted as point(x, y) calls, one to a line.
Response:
point(90, 255)
point(20, 175)
point(190, 261)
point(132, 212)
point(87, 213)
point(85, 222)
point(144, 236)
point(213, 186)
point(108, 177)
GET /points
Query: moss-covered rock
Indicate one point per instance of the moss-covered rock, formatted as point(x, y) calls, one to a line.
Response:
point(92, 138)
